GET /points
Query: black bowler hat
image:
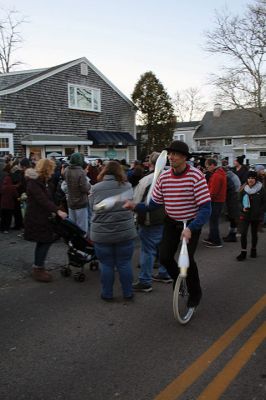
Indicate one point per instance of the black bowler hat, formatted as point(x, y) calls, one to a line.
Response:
point(179, 147)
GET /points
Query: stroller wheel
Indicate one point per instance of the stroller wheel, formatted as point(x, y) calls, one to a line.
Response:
point(94, 266)
point(79, 277)
point(65, 271)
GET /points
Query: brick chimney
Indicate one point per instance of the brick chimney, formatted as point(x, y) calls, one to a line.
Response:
point(217, 110)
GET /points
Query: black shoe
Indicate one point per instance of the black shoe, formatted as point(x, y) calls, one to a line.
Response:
point(194, 300)
point(161, 278)
point(213, 245)
point(242, 256)
point(206, 241)
point(141, 287)
point(253, 253)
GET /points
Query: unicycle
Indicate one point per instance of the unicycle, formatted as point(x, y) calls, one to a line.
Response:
point(182, 312)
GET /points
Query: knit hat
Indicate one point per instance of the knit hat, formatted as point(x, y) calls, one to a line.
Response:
point(240, 159)
point(252, 174)
point(77, 159)
point(259, 167)
point(179, 147)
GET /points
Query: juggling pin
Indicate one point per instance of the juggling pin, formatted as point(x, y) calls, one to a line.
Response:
point(183, 259)
point(159, 167)
point(109, 202)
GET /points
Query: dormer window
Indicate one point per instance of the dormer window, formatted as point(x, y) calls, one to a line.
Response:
point(228, 142)
point(84, 98)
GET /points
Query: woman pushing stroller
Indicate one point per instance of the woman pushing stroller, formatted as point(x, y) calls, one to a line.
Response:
point(37, 226)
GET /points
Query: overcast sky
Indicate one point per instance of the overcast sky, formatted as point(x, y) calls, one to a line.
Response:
point(124, 38)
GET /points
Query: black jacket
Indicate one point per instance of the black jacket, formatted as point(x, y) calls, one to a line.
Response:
point(257, 205)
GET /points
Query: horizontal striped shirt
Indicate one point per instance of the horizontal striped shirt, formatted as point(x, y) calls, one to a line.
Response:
point(181, 194)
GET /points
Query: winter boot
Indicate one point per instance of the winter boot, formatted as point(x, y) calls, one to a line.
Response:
point(253, 253)
point(242, 256)
point(41, 275)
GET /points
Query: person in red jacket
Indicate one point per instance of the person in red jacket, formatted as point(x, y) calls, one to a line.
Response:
point(217, 184)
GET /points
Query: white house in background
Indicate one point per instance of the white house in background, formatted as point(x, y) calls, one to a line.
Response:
point(232, 133)
point(185, 132)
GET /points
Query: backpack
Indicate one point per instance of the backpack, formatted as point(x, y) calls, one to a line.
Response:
point(153, 217)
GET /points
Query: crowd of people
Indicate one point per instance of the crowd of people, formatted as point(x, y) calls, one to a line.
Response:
point(195, 191)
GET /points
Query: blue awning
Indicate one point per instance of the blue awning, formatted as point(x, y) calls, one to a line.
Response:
point(110, 138)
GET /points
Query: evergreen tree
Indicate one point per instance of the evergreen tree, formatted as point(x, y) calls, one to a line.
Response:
point(157, 113)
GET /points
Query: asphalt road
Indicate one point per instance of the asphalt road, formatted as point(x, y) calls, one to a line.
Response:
point(60, 341)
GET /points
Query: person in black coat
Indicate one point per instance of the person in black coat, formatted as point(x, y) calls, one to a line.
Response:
point(240, 170)
point(37, 226)
point(253, 205)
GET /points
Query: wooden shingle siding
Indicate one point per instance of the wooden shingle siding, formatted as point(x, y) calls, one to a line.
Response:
point(43, 108)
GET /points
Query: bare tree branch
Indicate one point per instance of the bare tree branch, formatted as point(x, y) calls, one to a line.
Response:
point(188, 104)
point(242, 40)
point(10, 38)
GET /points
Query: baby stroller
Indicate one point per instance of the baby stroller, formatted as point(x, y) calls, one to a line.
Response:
point(80, 250)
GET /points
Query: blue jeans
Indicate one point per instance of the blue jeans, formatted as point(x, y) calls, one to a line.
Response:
point(214, 234)
point(80, 217)
point(117, 255)
point(150, 237)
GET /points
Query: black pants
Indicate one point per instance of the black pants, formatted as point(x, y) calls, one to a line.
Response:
point(244, 225)
point(40, 253)
point(6, 218)
point(168, 248)
point(18, 216)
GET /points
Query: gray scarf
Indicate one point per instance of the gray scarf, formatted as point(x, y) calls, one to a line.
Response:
point(254, 189)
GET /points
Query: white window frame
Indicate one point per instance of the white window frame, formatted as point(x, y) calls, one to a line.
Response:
point(205, 143)
point(180, 136)
point(231, 144)
point(95, 93)
point(10, 147)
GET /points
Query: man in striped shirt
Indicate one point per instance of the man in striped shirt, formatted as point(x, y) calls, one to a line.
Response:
point(184, 192)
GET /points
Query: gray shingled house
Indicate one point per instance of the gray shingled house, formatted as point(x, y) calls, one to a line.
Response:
point(232, 133)
point(66, 108)
point(185, 131)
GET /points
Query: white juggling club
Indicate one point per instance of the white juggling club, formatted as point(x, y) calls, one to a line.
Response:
point(109, 202)
point(183, 259)
point(159, 167)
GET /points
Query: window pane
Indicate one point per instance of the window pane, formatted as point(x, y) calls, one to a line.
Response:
point(72, 96)
point(84, 99)
point(69, 151)
point(4, 143)
point(96, 100)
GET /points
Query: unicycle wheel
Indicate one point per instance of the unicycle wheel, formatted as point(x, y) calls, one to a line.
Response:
point(182, 312)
